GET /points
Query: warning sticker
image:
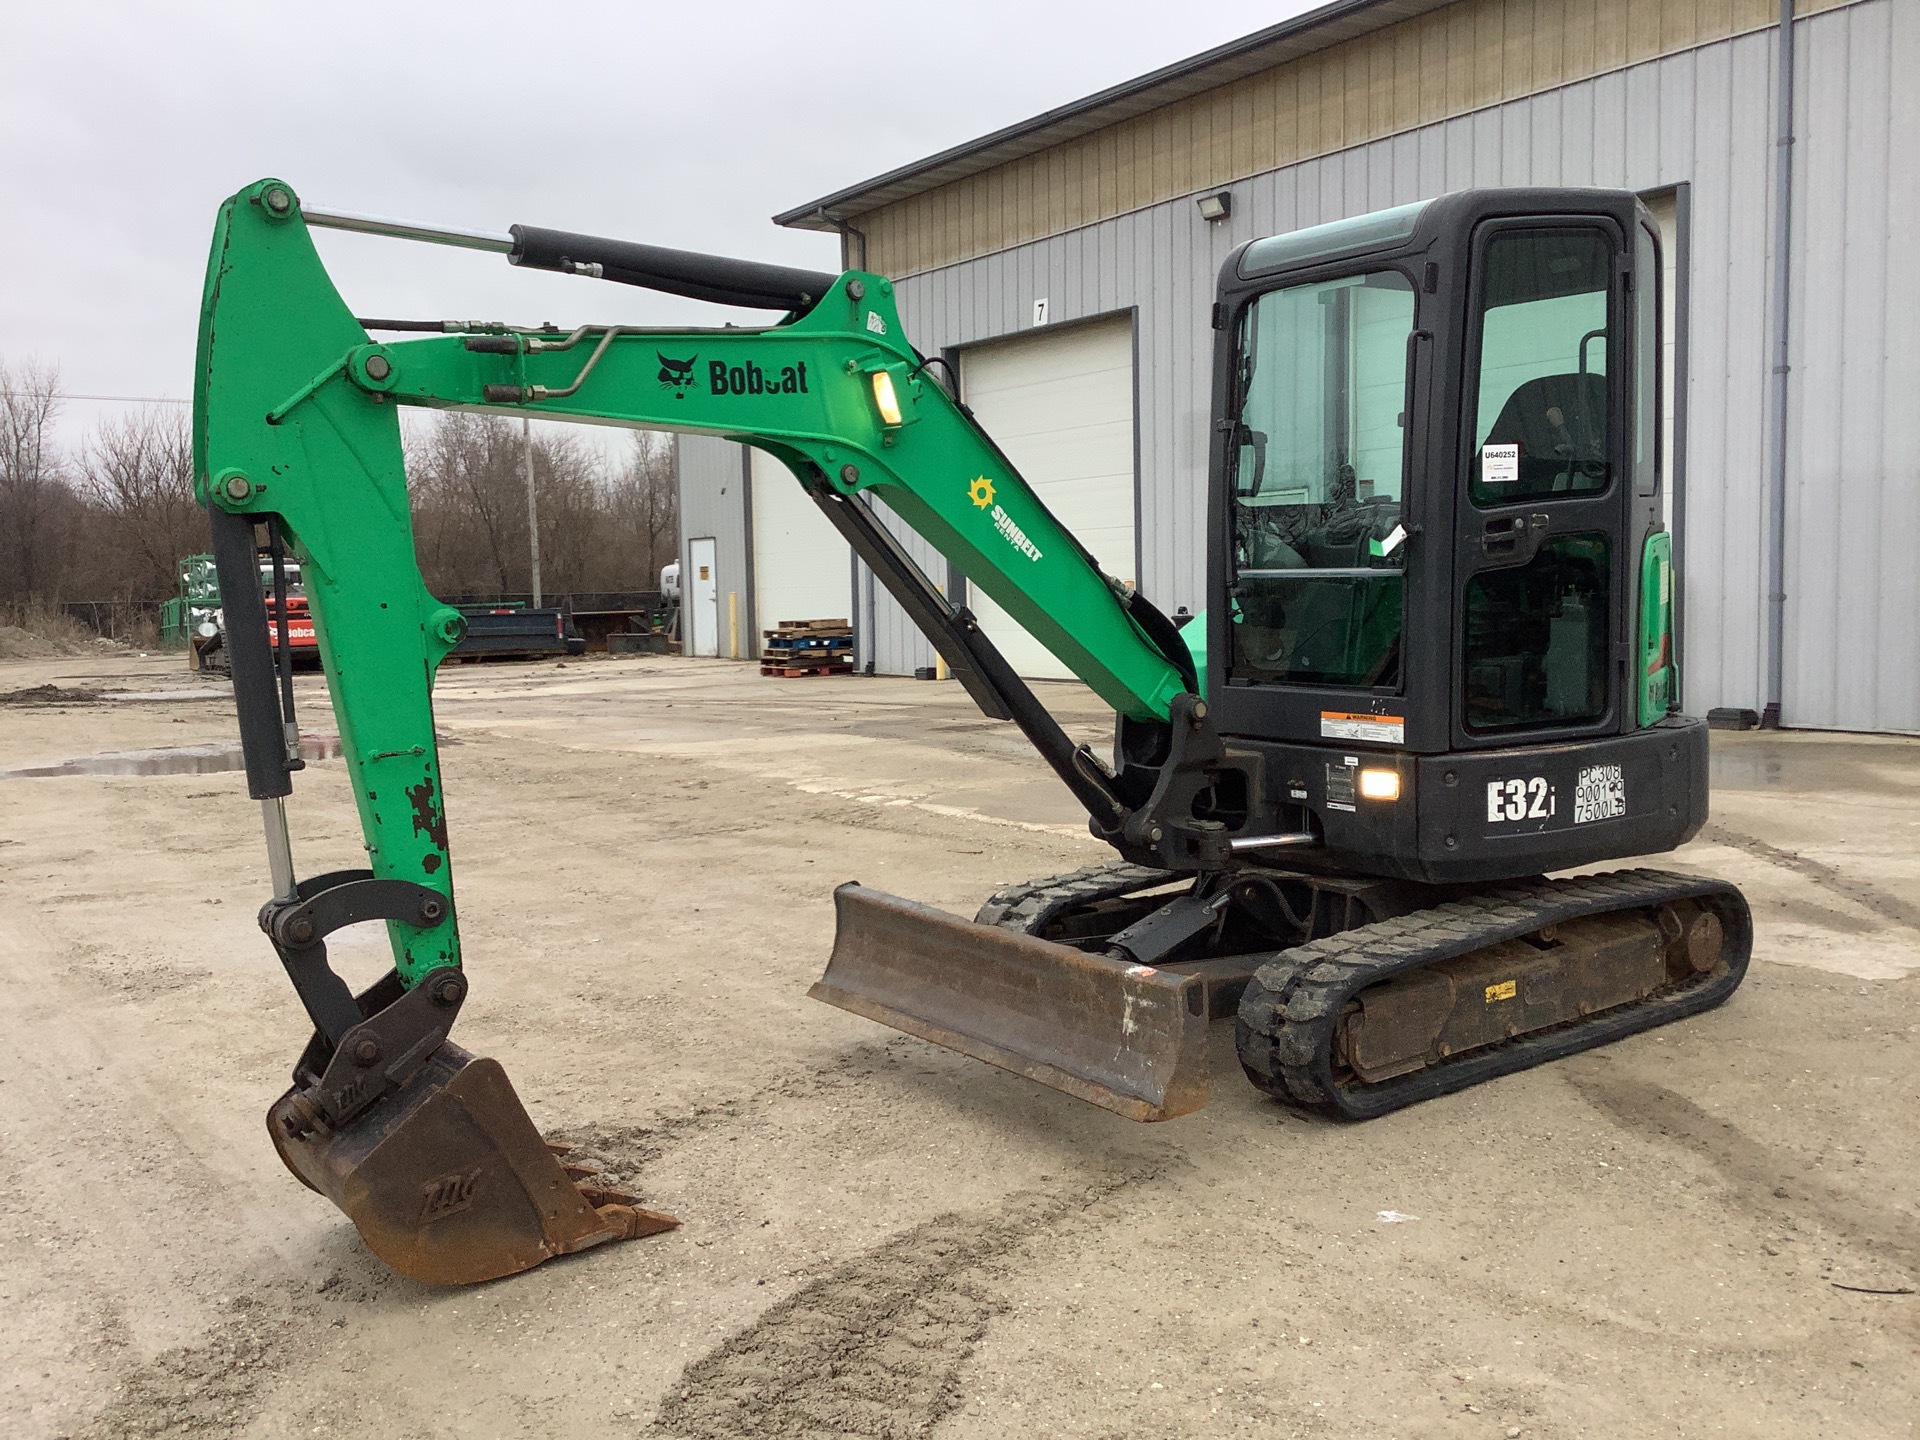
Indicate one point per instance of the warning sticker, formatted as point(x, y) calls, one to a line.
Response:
point(1499, 464)
point(1380, 729)
point(1505, 990)
point(1600, 795)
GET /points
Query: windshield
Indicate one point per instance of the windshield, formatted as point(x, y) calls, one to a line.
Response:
point(1318, 463)
point(292, 569)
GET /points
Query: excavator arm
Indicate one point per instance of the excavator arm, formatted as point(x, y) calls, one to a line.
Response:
point(297, 439)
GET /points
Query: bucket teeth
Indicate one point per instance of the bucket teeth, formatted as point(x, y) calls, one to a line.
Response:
point(631, 1221)
point(620, 1210)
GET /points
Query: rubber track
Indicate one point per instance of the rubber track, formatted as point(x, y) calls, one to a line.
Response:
point(1034, 904)
point(1292, 1008)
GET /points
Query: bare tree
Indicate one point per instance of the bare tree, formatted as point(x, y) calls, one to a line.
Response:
point(643, 502)
point(470, 504)
point(601, 528)
point(113, 523)
point(139, 475)
point(33, 488)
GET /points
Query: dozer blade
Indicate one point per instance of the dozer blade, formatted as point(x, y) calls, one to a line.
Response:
point(1130, 1038)
point(448, 1182)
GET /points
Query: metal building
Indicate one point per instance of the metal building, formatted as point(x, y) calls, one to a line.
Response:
point(1065, 266)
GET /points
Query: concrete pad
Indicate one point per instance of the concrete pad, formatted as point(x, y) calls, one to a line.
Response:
point(1694, 1231)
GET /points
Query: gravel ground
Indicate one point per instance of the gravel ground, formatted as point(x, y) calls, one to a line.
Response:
point(1681, 1235)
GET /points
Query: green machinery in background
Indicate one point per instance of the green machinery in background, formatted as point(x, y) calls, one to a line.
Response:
point(183, 615)
point(1436, 663)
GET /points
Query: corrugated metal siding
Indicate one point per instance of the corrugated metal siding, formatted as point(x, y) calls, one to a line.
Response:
point(1703, 117)
point(713, 501)
point(1853, 452)
point(1465, 57)
point(898, 646)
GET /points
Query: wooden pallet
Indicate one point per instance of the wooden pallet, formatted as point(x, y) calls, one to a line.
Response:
point(798, 629)
point(790, 672)
point(805, 654)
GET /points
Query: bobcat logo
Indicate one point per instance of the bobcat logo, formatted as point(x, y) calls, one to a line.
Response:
point(677, 375)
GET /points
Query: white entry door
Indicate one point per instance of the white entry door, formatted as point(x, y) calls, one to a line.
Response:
point(702, 589)
point(1665, 211)
point(802, 569)
point(1061, 405)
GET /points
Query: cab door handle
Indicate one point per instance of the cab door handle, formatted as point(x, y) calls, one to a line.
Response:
point(1514, 539)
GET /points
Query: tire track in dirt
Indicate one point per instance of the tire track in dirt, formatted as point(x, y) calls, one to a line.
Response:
point(217, 1383)
point(874, 1348)
point(1868, 897)
point(209, 1387)
point(1769, 1183)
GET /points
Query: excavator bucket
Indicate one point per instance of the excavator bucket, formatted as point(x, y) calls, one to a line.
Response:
point(1129, 1038)
point(448, 1182)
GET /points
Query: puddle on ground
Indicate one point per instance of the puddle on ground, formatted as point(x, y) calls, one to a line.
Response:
point(207, 692)
point(1813, 766)
point(179, 760)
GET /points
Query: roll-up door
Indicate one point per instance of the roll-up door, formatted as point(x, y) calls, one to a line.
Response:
point(802, 569)
point(1060, 404)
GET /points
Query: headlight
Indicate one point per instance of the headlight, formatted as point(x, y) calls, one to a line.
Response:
point(1380, 784)
point(884, 400)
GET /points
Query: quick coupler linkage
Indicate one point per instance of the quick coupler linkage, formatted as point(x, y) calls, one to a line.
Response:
point(365, 1046)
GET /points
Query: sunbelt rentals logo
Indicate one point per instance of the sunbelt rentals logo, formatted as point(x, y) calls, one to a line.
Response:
point(981, 493)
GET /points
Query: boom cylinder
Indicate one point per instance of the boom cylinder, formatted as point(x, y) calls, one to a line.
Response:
point(714, 278)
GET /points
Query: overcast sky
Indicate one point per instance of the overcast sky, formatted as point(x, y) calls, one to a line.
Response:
point(122, 127)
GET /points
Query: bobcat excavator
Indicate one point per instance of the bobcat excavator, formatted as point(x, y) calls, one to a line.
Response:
point(1435, 664)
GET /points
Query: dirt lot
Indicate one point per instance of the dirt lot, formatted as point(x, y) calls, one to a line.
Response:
point(883, 1239)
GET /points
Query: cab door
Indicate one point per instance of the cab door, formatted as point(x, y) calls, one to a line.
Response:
point(1542, 501)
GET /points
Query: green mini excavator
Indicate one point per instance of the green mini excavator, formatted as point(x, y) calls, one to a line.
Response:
point(1436, 662)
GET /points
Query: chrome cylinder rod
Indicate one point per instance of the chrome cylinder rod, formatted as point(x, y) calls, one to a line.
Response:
point(498, 242)
point(273, 813)
point(1290, 840)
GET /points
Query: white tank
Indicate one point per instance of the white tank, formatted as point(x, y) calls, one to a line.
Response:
point(670, 581)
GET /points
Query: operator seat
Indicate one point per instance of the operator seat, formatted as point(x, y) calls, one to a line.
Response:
point(1560, 425)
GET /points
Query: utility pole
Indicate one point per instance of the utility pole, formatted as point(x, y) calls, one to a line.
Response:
point(533, 514)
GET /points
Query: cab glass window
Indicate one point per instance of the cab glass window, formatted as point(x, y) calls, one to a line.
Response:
point(1536, 639)
point(1317, 453)
point(1540, 419)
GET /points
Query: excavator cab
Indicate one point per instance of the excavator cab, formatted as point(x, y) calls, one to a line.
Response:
point(1436, 663)
point(1440, 612)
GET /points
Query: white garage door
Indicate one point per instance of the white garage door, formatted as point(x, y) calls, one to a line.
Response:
point(802, 569)
point(1061, 406)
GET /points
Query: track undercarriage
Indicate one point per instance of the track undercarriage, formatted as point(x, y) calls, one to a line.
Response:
point(1351, 996)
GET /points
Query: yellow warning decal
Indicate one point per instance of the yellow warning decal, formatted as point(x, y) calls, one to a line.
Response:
point(1505, 990)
